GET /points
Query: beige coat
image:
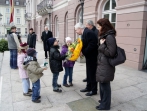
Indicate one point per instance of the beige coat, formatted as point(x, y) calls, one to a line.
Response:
point(34, 71)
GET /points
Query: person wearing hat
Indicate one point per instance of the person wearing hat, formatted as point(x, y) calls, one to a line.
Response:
point(13, 45)
point(34, 72)
point(55, 61)
point(31, 40)
point(22, 73)
point(68, 65)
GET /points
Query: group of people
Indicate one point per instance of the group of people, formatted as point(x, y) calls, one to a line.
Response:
point(98, 46)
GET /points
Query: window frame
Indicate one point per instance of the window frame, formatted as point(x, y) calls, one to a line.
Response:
point(109, 12)
point(7, 2)
point(18, 10)
point(8, 11)
point(17, 20)
point(17, 3)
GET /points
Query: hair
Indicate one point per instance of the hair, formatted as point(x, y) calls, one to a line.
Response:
point(79, 25)
point(13, 27)
point(90, 22)
point(46, 27)
point(31, 29)
point(106, 26)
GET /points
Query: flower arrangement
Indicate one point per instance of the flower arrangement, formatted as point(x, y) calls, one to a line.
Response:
point(74, 50)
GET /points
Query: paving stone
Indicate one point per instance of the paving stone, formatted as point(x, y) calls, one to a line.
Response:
point(59, 108)
point(142, 87)
point(47, 80)
point(64, 98)
point(86, 104)
point(28, 105)
point(126, 94)
point(16, 86)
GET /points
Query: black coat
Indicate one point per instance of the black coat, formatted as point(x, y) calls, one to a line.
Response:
point(90, 44)
point(56, 59)
point(31, 41)
point(45, 37)
point(105, 72)
point(95, 31)
point(90, 51)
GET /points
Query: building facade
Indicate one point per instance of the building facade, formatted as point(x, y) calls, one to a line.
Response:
point(129, 17)
point(19, 18)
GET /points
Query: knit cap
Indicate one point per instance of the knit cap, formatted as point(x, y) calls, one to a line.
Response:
point(51, 41)
point(31, 52)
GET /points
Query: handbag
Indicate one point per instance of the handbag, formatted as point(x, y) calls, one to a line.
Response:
point(119, 58)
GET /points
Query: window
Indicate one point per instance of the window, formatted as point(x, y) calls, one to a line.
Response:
point(18, 29)
point(7, 2)
point(24, 11)
point(7, 10)
point(109, 11)
point(56, 27)
point(25, 4)
point(0, 20)
point(18, 20)
point(7, 20)
point(17, 10)
point(17, 3)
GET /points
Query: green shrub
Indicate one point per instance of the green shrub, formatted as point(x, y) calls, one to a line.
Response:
point(3, 45)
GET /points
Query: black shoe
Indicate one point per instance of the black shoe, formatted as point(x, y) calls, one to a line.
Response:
point(58, 85)
point(46, 58)
point(39, 97)
point(36, 101)
point(58, 90)
point(66, 85)
point(99, 101)
point(84, 90)
point(97, 107)
point(27, 94)
point(102, 108)
point(70, 84)
point(85, 80)
point(30, 90)
point(90, 93)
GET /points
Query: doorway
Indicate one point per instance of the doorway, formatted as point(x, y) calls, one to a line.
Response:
point(145, 54)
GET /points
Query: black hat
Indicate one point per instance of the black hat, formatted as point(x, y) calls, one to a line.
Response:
point(31, 52)
point(51, 41)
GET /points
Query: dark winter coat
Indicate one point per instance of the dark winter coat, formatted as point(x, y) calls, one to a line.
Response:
point(31, 41)
point(90, 44)
point(95, 31)
point(105, 72)
point(45, 37)
point(66, 63)
point(56, 59)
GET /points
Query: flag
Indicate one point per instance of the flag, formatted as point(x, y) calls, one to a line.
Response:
point(12, 10)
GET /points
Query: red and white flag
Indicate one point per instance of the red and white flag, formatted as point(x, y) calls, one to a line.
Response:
point(12, 11)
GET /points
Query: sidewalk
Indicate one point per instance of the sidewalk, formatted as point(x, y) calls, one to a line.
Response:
point(129, 90)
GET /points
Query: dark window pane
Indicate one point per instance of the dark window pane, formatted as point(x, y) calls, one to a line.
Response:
point(107, 6)
point(106, 16)
point(113, 17)
point(113, 4)
point(113, 24)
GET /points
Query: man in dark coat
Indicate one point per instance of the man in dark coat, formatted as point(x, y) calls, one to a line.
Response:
point(90, 26)
point(90, 52)
point(46, 34)
point(31, 41)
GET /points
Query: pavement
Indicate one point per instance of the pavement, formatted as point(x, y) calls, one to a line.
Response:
point(129, 90)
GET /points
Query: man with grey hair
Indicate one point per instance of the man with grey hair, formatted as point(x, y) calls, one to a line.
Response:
point(46, 34)
point(90, 26)
point(90, 51)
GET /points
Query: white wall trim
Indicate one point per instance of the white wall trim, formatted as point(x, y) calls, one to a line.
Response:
point(60, 5)
point(131, 8)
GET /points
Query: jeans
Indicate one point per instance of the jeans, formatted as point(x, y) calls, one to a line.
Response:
point(25, 85)
point(68, 72)
point(54, 81)
point(36, 90)
point(13, 58)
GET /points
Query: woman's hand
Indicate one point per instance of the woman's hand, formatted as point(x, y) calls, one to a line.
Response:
point(102, 41)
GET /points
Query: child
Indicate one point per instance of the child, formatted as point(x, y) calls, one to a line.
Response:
point(34, 72)
point(22, 73)
point(55, 62)
point(68, 65)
